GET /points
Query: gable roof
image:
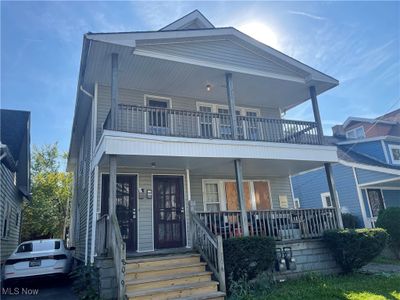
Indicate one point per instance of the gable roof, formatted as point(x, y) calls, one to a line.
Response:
point(193, 20)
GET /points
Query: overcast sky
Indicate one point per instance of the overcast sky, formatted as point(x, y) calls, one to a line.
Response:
point(355, 42)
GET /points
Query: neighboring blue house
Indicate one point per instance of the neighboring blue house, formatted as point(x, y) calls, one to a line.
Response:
point(367, 176)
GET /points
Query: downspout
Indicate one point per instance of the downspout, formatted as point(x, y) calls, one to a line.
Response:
point(89, 183)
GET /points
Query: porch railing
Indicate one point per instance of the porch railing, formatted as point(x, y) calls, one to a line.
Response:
point(101, 236)
point(118, 249)
point(196, 124)
point(288, 224)
point(210, 247)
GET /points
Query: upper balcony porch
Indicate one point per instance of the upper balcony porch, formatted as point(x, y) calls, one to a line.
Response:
point(208, 125)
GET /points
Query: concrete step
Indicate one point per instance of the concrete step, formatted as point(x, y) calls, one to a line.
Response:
point(157, 271)
point(166, 281)
point(206, 296)
point(176, 291)
point(155, 261)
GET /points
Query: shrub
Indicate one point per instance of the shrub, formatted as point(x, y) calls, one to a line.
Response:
point(349, 221)
point(247, 257)
point(353, 249)
point(86, 282)
point(389, 219)
point(244, 289)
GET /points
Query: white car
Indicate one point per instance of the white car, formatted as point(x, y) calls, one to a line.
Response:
point(38, 258)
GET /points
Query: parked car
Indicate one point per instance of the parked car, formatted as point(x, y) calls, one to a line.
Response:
point(38, 258)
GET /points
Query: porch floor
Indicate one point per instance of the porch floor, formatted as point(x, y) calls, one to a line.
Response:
point(159, 252)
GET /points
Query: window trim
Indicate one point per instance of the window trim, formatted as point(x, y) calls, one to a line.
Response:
point(7, 214)
point(146, 99)
point(323, 199)
point(296, 203)
point(391, 147)
point(355, 133)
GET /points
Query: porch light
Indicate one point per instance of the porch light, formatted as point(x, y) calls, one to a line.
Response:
point(208, 87)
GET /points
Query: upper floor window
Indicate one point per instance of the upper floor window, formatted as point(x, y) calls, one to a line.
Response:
point(395, 153)
point(326, 200)
point(356, 133)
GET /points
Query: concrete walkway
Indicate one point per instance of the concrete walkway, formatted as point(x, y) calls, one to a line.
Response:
point(375, 268)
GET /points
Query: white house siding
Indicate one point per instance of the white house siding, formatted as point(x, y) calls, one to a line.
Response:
point(279, 186)
point(135, 97)
point(9, 194)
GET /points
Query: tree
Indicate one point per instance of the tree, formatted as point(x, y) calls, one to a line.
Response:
point(47, 214)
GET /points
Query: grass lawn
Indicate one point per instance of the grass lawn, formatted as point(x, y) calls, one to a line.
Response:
point(352, 287)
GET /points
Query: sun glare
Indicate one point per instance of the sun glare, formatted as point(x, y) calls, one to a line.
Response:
point(260, 32)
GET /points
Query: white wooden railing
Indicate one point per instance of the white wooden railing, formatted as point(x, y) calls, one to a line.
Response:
point(285, 224)
point(196, 124)
point(210, 247)
point(101, 235)
point(118, 250)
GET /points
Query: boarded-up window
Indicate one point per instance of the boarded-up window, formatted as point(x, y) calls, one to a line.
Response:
point(232, 199)
point(261, 193)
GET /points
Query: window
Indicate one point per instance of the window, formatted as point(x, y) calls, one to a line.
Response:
point(356, 133)
point(6, 220)
point(211, 196)
point(224, 123)
point(27, 247)
point(326, 200)
point(205, 120)
point(296, 203)
point(159, 117)
point(252, 125)
point(395, 153)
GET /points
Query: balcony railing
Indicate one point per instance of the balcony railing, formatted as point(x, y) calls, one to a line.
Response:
point(195, 124)
point(288, 224)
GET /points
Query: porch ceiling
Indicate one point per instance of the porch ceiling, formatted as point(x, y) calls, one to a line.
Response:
point(213, 166)
point(168, 77)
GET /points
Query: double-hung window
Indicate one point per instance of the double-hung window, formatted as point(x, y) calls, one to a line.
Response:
point(211, 196)
point(158, 116)
point(395, 153)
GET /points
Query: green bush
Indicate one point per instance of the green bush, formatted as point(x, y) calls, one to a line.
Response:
point(353, 249)
point(244, 289)
point(248, 257)
point(86, 282)
point(349, 221)
point(389, 219)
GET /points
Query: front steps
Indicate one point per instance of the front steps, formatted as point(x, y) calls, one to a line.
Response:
point(181, 276)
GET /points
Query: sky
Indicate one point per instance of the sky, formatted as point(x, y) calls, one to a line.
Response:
point(355, 42)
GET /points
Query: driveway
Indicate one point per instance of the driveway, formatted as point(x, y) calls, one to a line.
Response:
point(40, 288)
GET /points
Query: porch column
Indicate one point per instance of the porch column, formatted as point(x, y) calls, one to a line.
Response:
point(231, 103)
point(113, 184)
point(317, 117)
point(242, 201)
point(114, 90)
point(332, 191)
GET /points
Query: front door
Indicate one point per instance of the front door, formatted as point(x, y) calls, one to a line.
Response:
point(169, 212)
point(125, 207)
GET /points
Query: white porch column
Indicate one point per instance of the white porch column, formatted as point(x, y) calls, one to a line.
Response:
point(113, 184)
point(231, 103)
point(317, 116)
point(242, 202)
point(114, 90)
point(332, 191)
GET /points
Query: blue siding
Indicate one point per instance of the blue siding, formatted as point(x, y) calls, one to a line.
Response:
point(309, 186)
point(372, 149)
point(392, 198)
point(366, 176)
point(388, 151)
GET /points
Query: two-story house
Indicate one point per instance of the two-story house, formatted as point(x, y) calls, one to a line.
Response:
point(14, 175)
point(178, 141)
point(368, 173)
